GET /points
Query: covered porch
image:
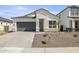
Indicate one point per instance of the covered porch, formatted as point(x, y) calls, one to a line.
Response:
point(74, 25)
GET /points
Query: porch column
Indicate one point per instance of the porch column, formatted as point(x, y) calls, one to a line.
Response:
point(15, 26)
point(57, 28)
point(73, 25)
point(37, 25)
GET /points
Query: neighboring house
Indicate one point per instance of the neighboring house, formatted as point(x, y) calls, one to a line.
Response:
point(69, 18)
point(39, 20)
point(5, 24)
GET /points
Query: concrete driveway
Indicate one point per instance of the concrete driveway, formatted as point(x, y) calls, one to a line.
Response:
point(17, 39)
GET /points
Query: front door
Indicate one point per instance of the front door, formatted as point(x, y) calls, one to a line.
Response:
point(41, 24)
point(6, 28)
point(76, 25)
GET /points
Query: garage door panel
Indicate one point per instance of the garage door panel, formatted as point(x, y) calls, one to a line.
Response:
point(26, 26)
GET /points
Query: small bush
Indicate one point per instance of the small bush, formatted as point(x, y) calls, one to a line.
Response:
point(43, 42)
point(75, 35)
point(10, 31)
point(44, 35)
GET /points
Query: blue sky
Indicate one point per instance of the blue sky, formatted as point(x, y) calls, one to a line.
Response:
point(9, 11)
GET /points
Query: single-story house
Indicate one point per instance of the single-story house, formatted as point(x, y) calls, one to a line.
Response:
point(39, 20)
point(5, 25)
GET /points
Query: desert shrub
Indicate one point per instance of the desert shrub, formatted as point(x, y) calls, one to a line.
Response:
point(44, 35)
point(75, 35)
point(43, 42)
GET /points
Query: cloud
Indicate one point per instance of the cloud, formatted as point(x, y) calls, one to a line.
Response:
point(11, 11)
point(56, 12)
point(20, 8)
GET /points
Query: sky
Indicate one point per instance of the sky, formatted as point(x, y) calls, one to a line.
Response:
point(8, 11)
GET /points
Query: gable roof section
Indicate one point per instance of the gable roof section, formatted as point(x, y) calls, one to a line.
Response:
point(39, 10)
point(34, 13)
point(73, 6)
point(62, 10)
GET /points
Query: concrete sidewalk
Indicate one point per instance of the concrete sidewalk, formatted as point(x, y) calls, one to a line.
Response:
point(39, 50)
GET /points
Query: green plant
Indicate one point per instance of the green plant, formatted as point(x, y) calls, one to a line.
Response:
point(58, 24)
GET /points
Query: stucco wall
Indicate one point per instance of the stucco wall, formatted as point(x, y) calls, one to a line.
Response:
point(2, 24)
point(64, 18)
point(24, 20)
point(46, 22)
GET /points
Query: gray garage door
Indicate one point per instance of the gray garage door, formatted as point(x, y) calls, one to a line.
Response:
point(26, 26)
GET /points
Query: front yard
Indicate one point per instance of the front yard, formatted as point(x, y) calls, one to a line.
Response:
point(1, 33)
point(56, 39)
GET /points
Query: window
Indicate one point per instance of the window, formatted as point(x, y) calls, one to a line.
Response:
point(76, 23)
point(52, 24)
point(74, 11)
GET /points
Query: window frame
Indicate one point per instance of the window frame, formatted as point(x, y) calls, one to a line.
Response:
point(74, 11)
point(52, 25)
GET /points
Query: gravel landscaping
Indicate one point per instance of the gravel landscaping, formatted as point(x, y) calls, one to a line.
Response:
point(1, 33)
point(56, 39)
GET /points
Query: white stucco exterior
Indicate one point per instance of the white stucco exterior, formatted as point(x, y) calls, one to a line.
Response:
point(64, 18)
point(46, 22)
point(40, 14)
point(2, 24)
point(24, 20)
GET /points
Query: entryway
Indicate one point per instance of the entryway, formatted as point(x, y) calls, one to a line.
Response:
point(6, 28)
point(41, 25)
point(76, 25)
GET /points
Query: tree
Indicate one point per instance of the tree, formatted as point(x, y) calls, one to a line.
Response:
point(58, 24)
